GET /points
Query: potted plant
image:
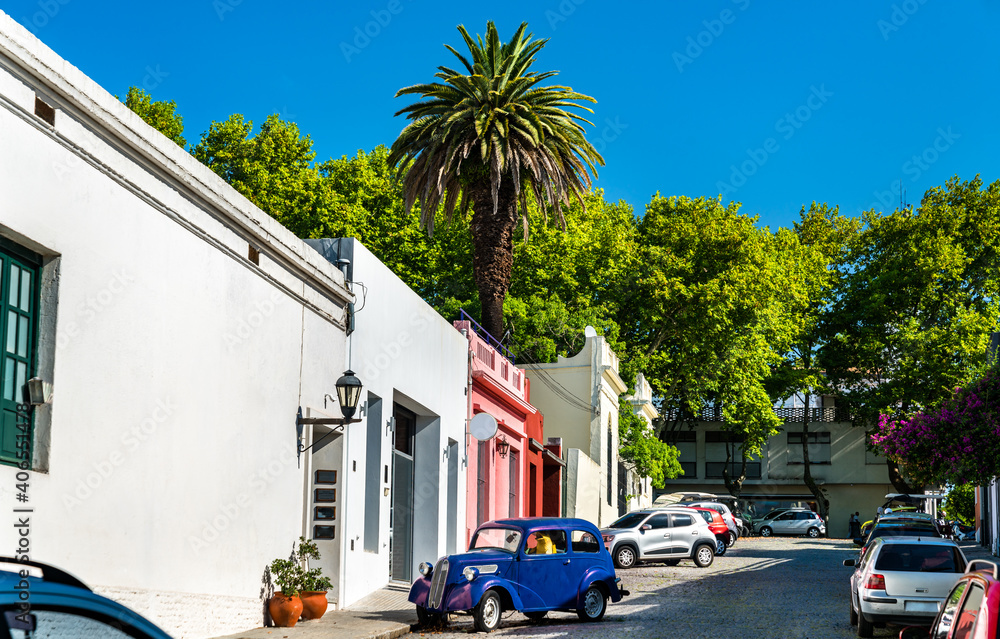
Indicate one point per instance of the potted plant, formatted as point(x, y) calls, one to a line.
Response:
point(285, 606)
point(313, 584)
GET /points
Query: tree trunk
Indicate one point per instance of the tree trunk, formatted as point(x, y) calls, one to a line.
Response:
point(898, 482)
point(493, 250)
point(734, 484)
point(821, 501)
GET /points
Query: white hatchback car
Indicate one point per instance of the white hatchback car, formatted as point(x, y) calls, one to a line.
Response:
point(796, 521)
point(903, 580)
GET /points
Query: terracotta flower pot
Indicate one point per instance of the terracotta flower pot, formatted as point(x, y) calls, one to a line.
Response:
point(313, 603)
point(285, 611)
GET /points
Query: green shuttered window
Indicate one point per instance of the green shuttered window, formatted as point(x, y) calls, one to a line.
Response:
point(19, 289)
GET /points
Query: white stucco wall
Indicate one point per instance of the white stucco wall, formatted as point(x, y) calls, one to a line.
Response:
point(403, 351)
point(591, 376)
point(167, 455)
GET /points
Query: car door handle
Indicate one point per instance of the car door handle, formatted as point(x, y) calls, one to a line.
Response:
point(566, 563)
point(694, 532)
point(666, 535)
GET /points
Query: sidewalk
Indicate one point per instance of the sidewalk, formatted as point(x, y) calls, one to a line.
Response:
point(973, 550)
point(384, 614)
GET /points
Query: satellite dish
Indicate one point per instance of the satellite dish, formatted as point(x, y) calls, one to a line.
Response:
point(483, 426)
point(590, 331)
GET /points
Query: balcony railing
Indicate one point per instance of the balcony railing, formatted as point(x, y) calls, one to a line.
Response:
point(794, 415)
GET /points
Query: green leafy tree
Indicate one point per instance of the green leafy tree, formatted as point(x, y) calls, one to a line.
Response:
point(822, 239)
point(960, 504)
point(640, 449)
point(484, 139)
point(566, 280)
point(704, 316)
point(913, 314)
point(161, 115)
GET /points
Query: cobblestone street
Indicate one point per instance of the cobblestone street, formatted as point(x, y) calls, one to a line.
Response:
point(785, 588)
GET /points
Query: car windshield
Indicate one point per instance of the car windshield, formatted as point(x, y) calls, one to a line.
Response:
point(506, 539)
point(918, 558)
point(629, 521)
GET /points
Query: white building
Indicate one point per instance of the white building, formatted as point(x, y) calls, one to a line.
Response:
point(578, 396)
point(181, 330)
point(405, 477)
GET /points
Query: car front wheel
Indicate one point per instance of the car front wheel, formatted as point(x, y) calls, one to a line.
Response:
point(595, 604)
point(766, 531)
point(624, 556)
point(703, 556)
point(813, 532)
point(487, 612)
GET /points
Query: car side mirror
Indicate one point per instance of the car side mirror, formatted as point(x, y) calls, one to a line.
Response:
point(645, 527)
point(914, 632)
point(849, 562)
point(858, 541)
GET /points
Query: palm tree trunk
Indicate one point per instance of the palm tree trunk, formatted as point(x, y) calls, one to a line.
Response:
point(493, 250)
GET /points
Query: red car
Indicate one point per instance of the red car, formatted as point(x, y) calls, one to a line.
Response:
point(718, 527)
point(971, 610)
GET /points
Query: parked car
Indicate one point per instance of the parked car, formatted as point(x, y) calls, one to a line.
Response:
point(531, 565)
point(794, 521)
point(718, 527)
point(667, 535)
point(970, 610)
point(727, 516)
point(902, 580)
point(897, 528)
point(55, 602)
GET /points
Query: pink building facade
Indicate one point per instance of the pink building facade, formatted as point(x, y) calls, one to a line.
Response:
point(525, 481)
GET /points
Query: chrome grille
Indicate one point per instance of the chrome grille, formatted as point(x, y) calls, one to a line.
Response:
point(438, 581)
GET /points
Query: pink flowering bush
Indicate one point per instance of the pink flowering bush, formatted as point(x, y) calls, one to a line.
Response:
point(956, 444)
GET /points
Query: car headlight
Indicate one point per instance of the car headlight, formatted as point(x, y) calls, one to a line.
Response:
point(608, 538)
point(425, 569)
point(470, 573)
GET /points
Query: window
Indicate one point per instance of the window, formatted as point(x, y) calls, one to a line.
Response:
point(71, 623)
point(659, 521)
point(688, 447)
point(948, 613)
point(611, 454)
point(965, 622)
point(680, 521)
point(373, 464)
point(819, 448)
point(545, 542)
point(804, 516)
point(583, 541)
point(19, 288)
point(513, 485)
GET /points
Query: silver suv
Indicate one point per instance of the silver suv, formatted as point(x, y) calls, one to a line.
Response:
point(794, 521)
point(663, 534)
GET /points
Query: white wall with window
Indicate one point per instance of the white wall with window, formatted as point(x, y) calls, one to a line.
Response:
point(179, 331)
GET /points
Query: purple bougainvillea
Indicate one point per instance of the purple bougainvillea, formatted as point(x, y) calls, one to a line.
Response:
point(956, 444)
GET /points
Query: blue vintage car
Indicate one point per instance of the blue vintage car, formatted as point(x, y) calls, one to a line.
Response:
point(532, 565)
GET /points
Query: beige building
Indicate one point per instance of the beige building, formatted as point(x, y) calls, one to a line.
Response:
point(578, 396)
point(854, 479)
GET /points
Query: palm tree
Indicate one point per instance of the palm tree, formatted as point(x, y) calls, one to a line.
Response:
point(484, 139)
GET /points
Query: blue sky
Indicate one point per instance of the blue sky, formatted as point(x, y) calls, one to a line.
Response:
point(770, 104)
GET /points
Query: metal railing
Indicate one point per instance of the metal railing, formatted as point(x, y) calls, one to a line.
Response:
point(489, 339)
point(793, 415)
